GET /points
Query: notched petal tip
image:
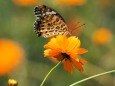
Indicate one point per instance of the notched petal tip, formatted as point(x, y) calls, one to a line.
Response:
point(68, 66)
point(77, 65)
point(81, 51)
point(83, 61)
point(46, 53)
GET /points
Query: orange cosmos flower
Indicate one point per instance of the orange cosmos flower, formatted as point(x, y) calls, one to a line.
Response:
point(102, 36)
point(26, 2)
point(66, 49)
point(70, 2)
point(11, 54)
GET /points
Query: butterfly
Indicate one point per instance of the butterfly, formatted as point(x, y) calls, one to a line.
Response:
point(49, 23)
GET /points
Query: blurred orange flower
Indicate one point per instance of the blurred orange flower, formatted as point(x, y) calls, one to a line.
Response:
point(66, 49)
point(70, 2)
point(11, 54)
point(26, 2)
point(102, 36)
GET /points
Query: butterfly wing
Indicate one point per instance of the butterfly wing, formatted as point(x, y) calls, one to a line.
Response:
point(48, 22)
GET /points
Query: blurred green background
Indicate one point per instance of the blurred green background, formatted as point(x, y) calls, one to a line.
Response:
point(16, 23)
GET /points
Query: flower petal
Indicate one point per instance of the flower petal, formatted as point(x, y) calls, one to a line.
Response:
point(68, 66)
point(82, 61)
point(59, 57)
point(77, 64)
point(74, 56)
point(53, 59)
point(73, 43)
point(62, 42)
point(50, 53)
point(81, 51)
point(52, 44)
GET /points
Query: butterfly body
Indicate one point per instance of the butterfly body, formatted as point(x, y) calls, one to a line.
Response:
point(48, 22)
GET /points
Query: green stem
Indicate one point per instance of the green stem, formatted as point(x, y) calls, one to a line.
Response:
point(92, 77)
point(49, 73)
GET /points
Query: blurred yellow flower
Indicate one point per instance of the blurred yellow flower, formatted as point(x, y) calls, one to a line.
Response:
point(12, 82)
point(102, 36)
point(26, 2)
point(11, 54)
point(66, 49)
point(70, 2)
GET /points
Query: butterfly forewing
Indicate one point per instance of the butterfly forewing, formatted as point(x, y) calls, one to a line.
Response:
point(48, 22)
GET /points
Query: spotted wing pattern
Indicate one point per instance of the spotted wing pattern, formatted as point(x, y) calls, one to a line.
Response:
point(48, 22)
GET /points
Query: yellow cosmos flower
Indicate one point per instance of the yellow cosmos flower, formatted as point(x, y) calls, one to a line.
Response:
point(66, 49)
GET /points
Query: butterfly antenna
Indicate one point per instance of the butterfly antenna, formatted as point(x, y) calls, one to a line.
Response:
point(77, 27)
